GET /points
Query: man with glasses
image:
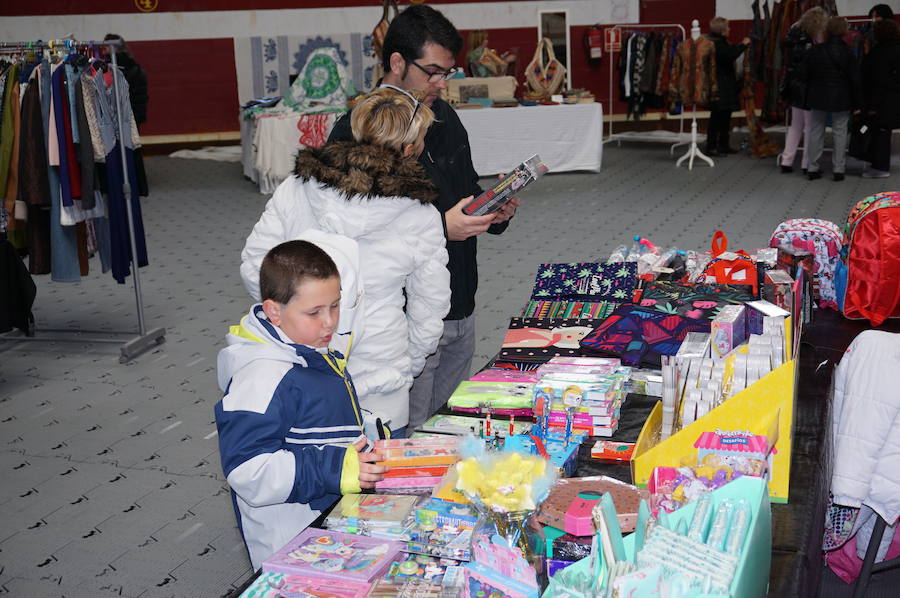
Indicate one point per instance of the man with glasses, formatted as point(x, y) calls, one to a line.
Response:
point(419, 54)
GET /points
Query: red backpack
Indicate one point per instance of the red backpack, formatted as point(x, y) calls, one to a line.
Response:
point(867, 279)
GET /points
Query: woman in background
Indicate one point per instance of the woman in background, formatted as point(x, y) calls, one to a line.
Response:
point(881, 90)
point(810, 29)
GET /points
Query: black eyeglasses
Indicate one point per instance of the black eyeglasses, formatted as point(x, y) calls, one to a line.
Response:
point(435, 76)
point(411, 97)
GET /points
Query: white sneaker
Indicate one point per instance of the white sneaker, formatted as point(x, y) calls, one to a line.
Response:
point(873, 173)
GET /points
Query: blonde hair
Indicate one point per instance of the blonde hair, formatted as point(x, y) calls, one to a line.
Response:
point(718, 25)
point(813, 21)
point(385, 117)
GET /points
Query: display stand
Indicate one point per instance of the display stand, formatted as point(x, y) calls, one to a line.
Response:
point(143, 339)
point(694, 149)
point(679, 138)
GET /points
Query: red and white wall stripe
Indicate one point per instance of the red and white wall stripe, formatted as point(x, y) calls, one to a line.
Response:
point(188, 47)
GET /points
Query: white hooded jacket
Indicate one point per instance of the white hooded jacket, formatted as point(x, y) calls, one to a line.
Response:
point(375, 197)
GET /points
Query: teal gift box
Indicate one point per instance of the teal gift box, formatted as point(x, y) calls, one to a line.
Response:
point(751, 576)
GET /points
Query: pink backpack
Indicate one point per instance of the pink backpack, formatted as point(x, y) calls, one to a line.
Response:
point(823, 240)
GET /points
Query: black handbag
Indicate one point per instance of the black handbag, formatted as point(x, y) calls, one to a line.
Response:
point(861, 134)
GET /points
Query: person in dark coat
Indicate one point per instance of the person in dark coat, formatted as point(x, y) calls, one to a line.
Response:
point(881, 90)
point(802, 35)
point(834, 87)
point(721, 108)
point(136, 77)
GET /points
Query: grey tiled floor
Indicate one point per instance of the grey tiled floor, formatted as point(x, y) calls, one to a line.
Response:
point(110, 474)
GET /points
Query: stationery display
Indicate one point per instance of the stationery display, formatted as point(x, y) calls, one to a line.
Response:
point(377, 515)
point(513, 183)
point(460, 425)
point(697, 301)
point(640, 335)
point(585, 281)
point(540, 339)
point(333, 555)
point(476, 396)
point(279, 585)
point(564, 308)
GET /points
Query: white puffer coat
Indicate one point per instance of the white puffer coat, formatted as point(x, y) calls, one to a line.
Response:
point(383, 202)
point(867, 425)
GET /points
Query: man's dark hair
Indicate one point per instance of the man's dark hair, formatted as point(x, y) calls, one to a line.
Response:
point(886, 29)
point(288, 265)
point(882, 10)
point(413, 28)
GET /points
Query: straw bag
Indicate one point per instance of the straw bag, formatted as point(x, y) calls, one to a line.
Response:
point(544, 78)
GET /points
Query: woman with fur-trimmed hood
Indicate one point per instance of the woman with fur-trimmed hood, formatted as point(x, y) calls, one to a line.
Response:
point(373, 191)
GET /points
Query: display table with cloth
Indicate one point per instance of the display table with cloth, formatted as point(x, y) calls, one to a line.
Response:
point(270, 141)
point(567, 136)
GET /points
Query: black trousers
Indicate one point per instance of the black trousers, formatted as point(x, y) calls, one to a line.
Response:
point(880, 149)
point(718, 129)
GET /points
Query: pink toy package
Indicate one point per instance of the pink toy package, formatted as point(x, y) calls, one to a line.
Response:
point(731, 443)
point(333, 555)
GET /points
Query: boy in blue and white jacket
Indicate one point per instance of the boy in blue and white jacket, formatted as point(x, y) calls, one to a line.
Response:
point(290, 427)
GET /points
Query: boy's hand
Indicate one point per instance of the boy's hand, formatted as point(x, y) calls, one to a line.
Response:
point(369, 473)
point(461, 226)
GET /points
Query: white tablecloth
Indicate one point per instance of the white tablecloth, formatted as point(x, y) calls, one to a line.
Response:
point(567, 136)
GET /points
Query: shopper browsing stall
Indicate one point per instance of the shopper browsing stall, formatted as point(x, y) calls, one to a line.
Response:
point(831, 74)
point(373, 192)
point(290, 428)
point(727, 101)
point(881, 84)
point(803, 34)
point(419, 52)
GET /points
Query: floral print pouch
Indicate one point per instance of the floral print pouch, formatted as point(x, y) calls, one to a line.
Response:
point(693, 301)
point(586, 281)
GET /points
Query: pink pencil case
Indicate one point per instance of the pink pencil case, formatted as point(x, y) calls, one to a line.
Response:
point(505, 375)
point(408, 482)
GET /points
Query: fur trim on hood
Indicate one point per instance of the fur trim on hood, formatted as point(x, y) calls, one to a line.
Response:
point(365, 169)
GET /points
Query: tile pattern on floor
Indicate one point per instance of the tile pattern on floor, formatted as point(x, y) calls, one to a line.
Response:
point(112, 483)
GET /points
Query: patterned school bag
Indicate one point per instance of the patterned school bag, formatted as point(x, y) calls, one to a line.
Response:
point(867, 279)
point(822, 239)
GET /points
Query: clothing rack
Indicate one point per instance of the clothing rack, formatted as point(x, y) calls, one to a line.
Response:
point(143, 339)
point(694, 149)
point(653, 136)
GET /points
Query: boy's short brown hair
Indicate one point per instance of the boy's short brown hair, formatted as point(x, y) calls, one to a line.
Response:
point(287, 265)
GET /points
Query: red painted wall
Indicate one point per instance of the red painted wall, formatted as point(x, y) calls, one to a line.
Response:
point(192, 85)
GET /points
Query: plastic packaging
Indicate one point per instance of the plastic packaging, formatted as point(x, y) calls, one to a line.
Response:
point(636, 250)
point(719, 530)
point(701, 520)
point(740, 523)
point(618, 255)
point(665, 259)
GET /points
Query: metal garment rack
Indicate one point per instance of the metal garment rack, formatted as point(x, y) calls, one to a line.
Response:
point(143, 339)
point(654, 136)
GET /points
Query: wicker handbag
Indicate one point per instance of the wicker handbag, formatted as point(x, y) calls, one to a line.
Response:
point(544, 77)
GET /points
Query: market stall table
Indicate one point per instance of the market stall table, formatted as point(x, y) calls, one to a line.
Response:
point(567, 136)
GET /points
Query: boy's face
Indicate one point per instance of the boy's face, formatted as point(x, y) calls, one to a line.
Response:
point(312, 314)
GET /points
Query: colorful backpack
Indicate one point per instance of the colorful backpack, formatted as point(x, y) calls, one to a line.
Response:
point(820, 238)
point(867, 279)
